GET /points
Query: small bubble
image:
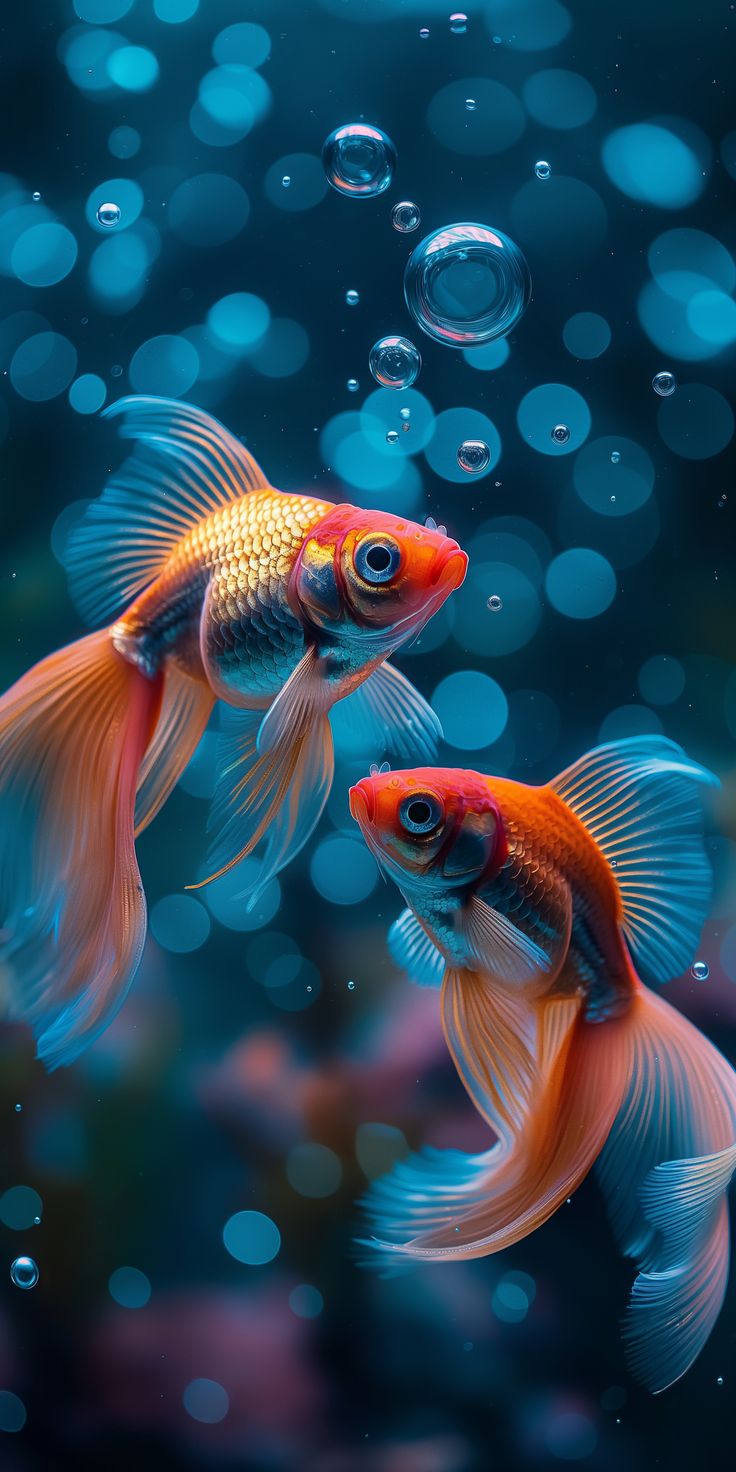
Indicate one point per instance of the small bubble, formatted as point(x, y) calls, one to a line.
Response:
point(285, 182)
point(495, 603)
point(309, 988)
point(473, 456)
point(405, 413)
point(664, 384)
point(560, 434)
point(351, 986)
point(35, 196)
point(405, 216)
point(392, 437)
point(722, 501)
point(613, 500)
point(36, 1221)
point(424, 33)
point(470, 104)
point(352, 298)
point(719, 1381)
point(18, 1108)
point(353, 385)
point(116, 371)
point(497, 40)
point(700, 970)
point(359, 160)
point(394, 362)
point(542, 169)
point(109, 215)
point(24, 1272)
point(615, 457)
point(458, 23)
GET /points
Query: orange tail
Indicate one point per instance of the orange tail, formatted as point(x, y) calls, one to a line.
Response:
point(645, 1096)
point(73, 732)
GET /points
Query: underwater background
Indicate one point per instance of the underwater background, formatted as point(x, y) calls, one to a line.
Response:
point(188, 1189)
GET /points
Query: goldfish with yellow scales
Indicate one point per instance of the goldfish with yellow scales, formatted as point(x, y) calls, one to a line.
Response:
point(213, 586)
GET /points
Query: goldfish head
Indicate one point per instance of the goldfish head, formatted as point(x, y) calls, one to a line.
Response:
point(370, 575)
point(431, 827)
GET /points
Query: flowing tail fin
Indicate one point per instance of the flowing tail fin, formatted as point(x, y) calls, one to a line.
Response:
point(73, 733)
point(665, 1171)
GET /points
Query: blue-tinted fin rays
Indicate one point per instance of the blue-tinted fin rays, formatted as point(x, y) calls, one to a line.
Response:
point(186, 467)
point(388, 714)
point(414, 952)
point(638, 798)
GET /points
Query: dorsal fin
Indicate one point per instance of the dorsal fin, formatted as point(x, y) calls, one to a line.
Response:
point(186, 466)
point(638, 800)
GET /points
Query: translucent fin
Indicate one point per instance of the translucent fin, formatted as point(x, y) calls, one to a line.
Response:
point(414, 952)
point(505, 953)
point(186, 467)
point(273, 786)
point(387, 714)
point(185, 710)
point(72, 734)
point(664, 1171)
point(543, 1078)
point(638, 799)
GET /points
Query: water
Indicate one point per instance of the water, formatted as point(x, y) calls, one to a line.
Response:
point(405, 216)
point(473, 456)
point(467, 284)
point(394, 362)
point(359, 160)
point(24, 1272)
point(598, 605)
point(109, 215)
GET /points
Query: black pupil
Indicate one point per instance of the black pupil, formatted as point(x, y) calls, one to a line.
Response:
point(419, 812)
point(378, 558)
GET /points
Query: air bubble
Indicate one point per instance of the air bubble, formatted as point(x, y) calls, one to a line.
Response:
point(664, 384)
point(405, 216)
point(109, 215)
point(394, 362)
point(615, 457)
point(392, 437)
point(359, 160)
point(285, 182)
point(542, 169)
point(495, 603)
point(700, 970)
point(352, 298)
point(466, 284)
point(24, 1272)
point(353, 385)
point(474, 456)
point(35, 196)
point(458, 23)
point(470, 104)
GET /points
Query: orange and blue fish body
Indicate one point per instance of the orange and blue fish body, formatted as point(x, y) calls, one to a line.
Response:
point(213, 586)
point(544, 914)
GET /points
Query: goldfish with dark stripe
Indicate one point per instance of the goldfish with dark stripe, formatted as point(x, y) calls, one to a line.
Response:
point(545, 914)
point(212, 586)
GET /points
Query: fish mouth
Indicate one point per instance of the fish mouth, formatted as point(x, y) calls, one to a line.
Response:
point(362, 806)
point(449, 570)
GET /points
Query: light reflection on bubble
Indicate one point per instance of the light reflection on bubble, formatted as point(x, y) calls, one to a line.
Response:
point(359, 160)
point(123, 197)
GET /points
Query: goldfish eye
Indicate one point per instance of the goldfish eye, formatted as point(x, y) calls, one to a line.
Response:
point(420, 813)
point(377, 560)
